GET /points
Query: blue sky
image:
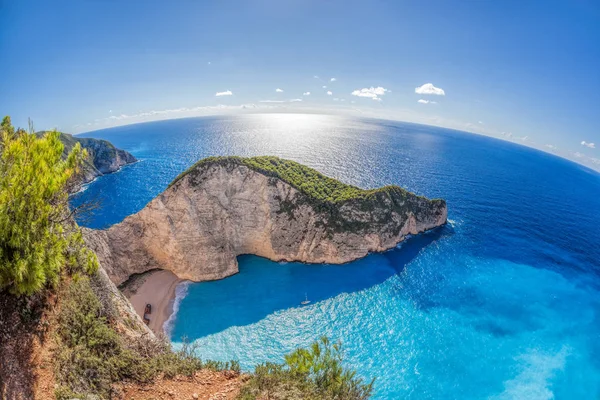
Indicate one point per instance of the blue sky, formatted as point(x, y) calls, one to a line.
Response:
point(526, 71)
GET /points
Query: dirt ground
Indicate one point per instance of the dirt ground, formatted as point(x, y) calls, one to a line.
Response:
point(27, 368)
point(205, 384)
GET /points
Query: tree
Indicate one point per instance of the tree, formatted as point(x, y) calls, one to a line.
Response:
point(39, 237)
point(313, 373)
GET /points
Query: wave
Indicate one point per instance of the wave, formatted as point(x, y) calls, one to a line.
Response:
point(83, 188)
point(454, 223)
point(180, 292)
point(400, 244)
point(535, 379)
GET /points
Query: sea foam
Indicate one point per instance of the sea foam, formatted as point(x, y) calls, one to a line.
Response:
point(180, 292)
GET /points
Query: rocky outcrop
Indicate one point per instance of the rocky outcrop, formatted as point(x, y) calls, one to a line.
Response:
point(103, 157)
point(225, 207)
point(123, 315)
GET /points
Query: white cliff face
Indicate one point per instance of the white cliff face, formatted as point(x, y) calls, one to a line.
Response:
point(198, 226)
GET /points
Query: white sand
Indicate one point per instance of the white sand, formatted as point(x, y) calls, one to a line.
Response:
point(158, 290)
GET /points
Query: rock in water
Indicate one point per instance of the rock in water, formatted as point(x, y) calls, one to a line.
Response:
point(223, 207)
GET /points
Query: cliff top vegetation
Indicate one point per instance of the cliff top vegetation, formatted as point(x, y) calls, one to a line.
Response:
point(305, 179)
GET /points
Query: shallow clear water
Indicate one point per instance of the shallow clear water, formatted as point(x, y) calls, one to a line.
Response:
point(501, 303)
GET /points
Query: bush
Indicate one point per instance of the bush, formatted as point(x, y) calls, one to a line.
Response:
point(91, 355)
point(309, 181)
point(38, 236)
point(313, 373)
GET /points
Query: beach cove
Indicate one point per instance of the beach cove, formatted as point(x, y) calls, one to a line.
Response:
point(157, 288)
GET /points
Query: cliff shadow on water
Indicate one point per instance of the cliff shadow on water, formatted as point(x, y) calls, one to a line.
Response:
point(263, 287)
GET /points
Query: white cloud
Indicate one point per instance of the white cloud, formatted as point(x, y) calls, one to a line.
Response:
point(481, 123)
point(524, 138)
point(324, 87)
point(225, 93)
point(209, 63)
point(329, 93)
point(551, 146)
point(110, 111)
point(306, 94)
point(578, 154)
point(372, 92)
point(280, 101)
point(335, 99)
point(333, 80)
point(587, 144)
point(316, 76)
point(428, 88)
point(279, 90)
point(422, 101)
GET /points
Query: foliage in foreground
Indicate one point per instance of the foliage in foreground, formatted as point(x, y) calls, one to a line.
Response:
point(38, 236)
point(91, 356)
point(313, 373)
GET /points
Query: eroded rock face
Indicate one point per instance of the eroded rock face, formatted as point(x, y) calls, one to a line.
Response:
point(103, 158)
point(198, 226)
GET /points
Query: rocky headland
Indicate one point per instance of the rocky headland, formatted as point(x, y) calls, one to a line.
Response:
point(103, 157)
point(223, 207)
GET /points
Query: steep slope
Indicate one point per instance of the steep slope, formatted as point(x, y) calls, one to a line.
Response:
point(103, 156)
point(226, 206)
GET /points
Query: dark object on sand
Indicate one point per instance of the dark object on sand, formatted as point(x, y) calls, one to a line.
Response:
point(148, 309)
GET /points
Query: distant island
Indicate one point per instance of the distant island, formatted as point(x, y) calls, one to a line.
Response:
point(223, 207)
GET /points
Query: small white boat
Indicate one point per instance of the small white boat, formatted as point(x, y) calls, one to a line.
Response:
point(305, 301)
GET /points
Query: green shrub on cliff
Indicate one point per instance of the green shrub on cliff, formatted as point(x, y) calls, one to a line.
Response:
point(307, 180)
point(91, 355)
point(313, 373)
point(322, 192)
point(38, 237)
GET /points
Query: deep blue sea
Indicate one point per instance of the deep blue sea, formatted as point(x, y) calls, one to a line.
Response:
point(502, 303)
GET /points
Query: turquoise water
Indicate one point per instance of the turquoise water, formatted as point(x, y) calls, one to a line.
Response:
point(501, 303)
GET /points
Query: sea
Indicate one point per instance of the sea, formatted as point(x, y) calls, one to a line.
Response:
point(501, 303)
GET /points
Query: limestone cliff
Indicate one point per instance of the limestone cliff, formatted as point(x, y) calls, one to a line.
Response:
point(228, 206)
point(103, 157)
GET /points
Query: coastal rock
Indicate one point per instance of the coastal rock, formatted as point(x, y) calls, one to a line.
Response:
point(103, 156)
point(273, 208)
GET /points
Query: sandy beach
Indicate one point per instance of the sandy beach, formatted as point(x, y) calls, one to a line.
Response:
point(156, 288)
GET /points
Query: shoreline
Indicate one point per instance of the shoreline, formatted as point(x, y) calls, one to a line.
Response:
point(86, 184)
point(157, 288)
